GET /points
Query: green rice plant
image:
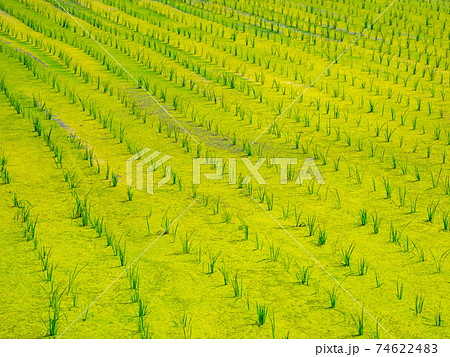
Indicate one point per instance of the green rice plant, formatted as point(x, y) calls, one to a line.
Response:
point(225, 273)
point(5, 177)
point(363, 266)
point(387, 187)
point(185, 323)
point(226, 215)
point(400, 287)
point(388, 133)
point(446, 220)
point(187, 243)
point(311, 225)
point(404, 167)
point(72, 276)
point(216, 206)
point(447, 186)
point(114, 179)
point(435, 180)
point(133, 277)
point(378, 280)
point(394, 234)
point(438, 321)
point(298, 218)
point(347, 255)
point(333, 295)
point(336, 164)
point(402, 196)
point(285, 212)
point(304, 274)
point(274, 251)
point(244, 227)
point(438, 262)
point(236, 284)
point(52, 322)
point(362, 218)
point(337, 198)
point(269, 202)
point(212, 261)
point(322, 237)
point(431, 211)
point(359, 321)
point(166, 222)
point(130, 193)
point(419, 304)
point(261, 312)
point(121, 251)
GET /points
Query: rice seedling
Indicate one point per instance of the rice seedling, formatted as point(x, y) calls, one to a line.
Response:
point(438, 320)
point(261, 312)
point(359, 321)
point(446, 220)
point(431, 211)
point(347, 255)
point(225, 273)
point(438, 262)
point(322, 236)
point(362, 218)
point(269, 202)
point(304, 274)
point(114, 179)
point(236, 284)
point(72, 276)
point(298, 218)
point(387, 187)
point(212, 261)
point(376, 223)
point(399, 292)
point(187, 243)
point(419, 304)
point(226, 215)
point(244, 226)
point(378, 280)
point(311, 225)
point(121, 251)
point(274, 251)
point(130, 193)
point(333, 295)
point(337, 198)
point(363, 266)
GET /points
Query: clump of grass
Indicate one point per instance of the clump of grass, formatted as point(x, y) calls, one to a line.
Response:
point(304, 275)
point(347, 254)
point(387, 187)
point(431, 211)
point(236, 284)
point(187, 243)
point(362, 220)
point(446, 220)
point(438, 321)
point(419, 303)
point(363, 266)
point(378, 280)
point(212, 259)
point(376, 221)
point(261, 312)
point(359, 321)
point(438, 262)
point(322, 236)
point(274, 251)
point(311, 224)
point(333, 295)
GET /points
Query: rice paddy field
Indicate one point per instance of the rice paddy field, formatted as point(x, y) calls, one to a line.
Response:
point(360, 86)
